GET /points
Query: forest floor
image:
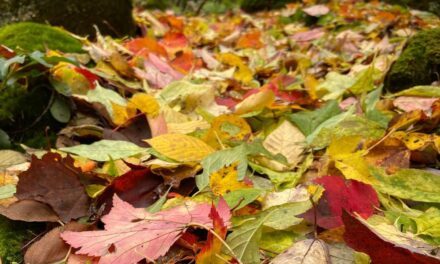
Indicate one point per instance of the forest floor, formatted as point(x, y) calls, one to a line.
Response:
point(229, 138)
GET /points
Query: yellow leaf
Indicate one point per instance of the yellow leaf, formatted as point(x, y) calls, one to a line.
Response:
point(243, 73)
point(225, 180)
point(255, 102)
point(180, 147)
point(187, 127)
point(122, 114)
point(287, 140)
point(228, 127)
point(349, 160)
point(145, 103)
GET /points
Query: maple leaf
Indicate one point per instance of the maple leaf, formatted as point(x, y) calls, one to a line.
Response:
point(350, 195)
point(133, 234)
point(55, 181)
point(213, 246)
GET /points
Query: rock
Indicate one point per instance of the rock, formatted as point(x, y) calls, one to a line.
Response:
point(30, 36)
point(418, 64)
point(113, 17)
point(432, 6)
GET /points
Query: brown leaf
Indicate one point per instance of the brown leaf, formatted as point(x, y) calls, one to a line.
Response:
point(51, 248)
point(55, 181)
point(29, 211)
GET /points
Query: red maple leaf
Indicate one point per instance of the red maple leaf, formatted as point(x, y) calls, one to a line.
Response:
point(133, 234)
point(340, 195)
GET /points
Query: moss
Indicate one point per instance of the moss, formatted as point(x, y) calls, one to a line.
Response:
point(432, 6)
point(13, 236)
point(33, 36)
point(112, 17)
point(418, 64)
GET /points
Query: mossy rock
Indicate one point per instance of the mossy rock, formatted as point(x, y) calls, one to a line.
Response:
point(418, 64)
point(30, 36)
point(432, 6)
point(112, 17)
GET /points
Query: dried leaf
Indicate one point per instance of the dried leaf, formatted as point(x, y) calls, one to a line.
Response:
point(55, 181)
point(288, 141)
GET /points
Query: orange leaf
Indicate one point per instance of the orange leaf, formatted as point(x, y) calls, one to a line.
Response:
point(250, 40)
point(144, 46)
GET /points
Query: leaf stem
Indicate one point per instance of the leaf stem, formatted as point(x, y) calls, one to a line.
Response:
point(219, 238)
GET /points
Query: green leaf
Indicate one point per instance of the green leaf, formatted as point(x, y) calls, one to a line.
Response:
point(105, 150)
point(284, 216)
point(180, 90)
point(308, 121)
point(7, 191)
point(334, 86)
point(157, 206)
point(60, 110)
point(364, 81)
point(226, 157)
point(105, 97)
point(240, 198)
point(422, 91)
point(244, 240)
point(277, 241)
point(412, 184)
point(346, 125)
point(220, 159)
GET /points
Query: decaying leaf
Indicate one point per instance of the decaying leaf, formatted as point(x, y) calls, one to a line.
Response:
point(55, 181)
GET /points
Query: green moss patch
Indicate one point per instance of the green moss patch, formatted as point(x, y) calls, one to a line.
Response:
point(30, 36)
point(418, 64)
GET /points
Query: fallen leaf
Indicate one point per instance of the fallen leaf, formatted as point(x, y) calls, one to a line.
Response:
point(208, 254)
point(225, 180)
point(105, 150)
point(181, 148)
point(341, 195)
point(310, 251)
point(51, 248)
point(288, 141)
point(132, 235)
point(29, 211)
point(362, 237)
point(55, 181)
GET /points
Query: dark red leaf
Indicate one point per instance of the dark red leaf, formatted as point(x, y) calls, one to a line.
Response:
point(139, 187)
point(361, 238)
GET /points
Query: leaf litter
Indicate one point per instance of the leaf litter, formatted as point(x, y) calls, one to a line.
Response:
point(235, 138)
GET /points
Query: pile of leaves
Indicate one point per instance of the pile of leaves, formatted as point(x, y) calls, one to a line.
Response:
point(233, 139)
